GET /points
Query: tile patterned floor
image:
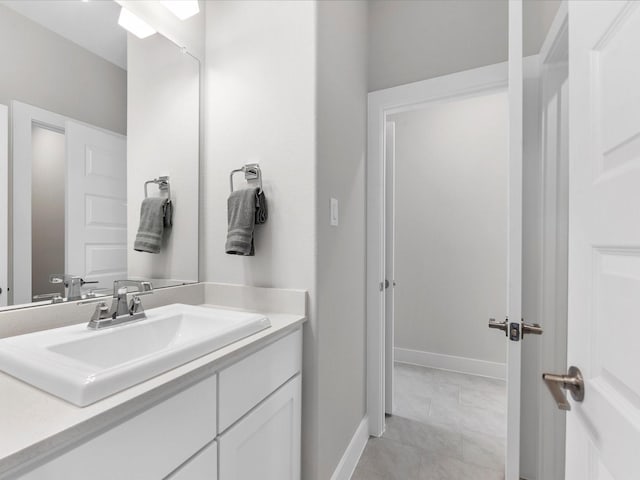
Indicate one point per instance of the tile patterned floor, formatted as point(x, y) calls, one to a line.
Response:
point(447, 426)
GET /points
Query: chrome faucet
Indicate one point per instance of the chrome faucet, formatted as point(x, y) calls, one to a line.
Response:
point(121, 311)
point(72, 284)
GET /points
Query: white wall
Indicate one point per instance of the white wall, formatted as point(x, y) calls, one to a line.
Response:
point(188, 33)
point(163, 124)
point(260, 107)
point(415, 40)
point(47, 209)
point(44, 69)
point(341, 136)
point(451, 227)
point(286, 87)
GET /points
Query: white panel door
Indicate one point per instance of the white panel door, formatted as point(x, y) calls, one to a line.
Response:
point(603, 432)
point(96, 209)
point(265, 444)
point(4, 203)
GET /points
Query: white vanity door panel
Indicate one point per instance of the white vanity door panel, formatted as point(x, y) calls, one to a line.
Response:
point(248, 382)
point(149, 446)
point(203, 466)
point(265, 444)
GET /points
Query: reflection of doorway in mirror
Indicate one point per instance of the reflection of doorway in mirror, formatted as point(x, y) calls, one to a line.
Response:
point(69, 202)
point(47, 209)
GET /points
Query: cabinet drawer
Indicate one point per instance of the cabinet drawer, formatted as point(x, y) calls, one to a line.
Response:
point(248, 382)
point(203, 465)
point(148, 446)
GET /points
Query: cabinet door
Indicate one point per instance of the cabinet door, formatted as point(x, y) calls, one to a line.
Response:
point(265, 444)
point(202, 466)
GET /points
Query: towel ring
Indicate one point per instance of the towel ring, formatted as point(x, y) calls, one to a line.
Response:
point(251, 172)
point(163, 185)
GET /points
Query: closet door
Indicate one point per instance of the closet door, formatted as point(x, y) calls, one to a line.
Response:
point(265, 444)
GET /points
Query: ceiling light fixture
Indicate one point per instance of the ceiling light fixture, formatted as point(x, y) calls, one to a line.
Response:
point(182, 9)
point(134, 24)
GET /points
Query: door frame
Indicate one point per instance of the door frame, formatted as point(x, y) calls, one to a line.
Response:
point(4, 205)
point(554, 271)
point(23, 117)
point(381, 104)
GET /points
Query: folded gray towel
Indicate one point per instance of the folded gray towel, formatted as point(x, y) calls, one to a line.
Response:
point(153, 219)
point(242, 212)
point(261, 208)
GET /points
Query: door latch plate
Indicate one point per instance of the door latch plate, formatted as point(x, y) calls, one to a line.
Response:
point(514, 331)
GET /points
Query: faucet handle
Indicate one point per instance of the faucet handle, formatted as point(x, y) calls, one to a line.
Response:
point(102, 312)
point(136, 305)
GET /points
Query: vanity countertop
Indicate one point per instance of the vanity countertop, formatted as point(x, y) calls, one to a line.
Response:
point(34, 423)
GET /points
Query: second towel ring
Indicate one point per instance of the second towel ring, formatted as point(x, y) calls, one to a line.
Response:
point(163, 185)
point(251, 172)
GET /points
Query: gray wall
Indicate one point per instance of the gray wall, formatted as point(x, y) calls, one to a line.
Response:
point(47, 209)
point(341, 145)
point(44, 69)
point(451, 226)
point(414, 40)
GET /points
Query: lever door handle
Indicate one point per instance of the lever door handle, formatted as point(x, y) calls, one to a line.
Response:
point(504, 326)
point(573, 382)
point(531, 328)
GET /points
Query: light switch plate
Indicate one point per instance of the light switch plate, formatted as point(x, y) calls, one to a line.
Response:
point(334, 212)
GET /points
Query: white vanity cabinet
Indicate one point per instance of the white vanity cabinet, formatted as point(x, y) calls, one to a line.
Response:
point(259, 414)
point(241, 423)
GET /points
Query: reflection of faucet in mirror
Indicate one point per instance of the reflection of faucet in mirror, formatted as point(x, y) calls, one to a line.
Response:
point(121, 312)
point(72, 284)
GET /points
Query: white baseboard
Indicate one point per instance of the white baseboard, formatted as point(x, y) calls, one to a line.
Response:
point(469, 366)
point(351, 456)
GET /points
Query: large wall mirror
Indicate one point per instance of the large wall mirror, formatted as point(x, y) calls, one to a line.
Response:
point(97, 122)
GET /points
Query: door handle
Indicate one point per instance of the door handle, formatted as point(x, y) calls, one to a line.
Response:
point(531, 328)
point(504, 326)
point(573, 381)
point(518, 331)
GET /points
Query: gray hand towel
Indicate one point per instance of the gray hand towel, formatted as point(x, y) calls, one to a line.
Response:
point(241, 217)
point(152, 222)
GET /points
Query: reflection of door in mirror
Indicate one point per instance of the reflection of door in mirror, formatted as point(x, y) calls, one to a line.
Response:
point(70, 189)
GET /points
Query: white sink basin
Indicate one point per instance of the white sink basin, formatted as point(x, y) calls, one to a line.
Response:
point(83, 366)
